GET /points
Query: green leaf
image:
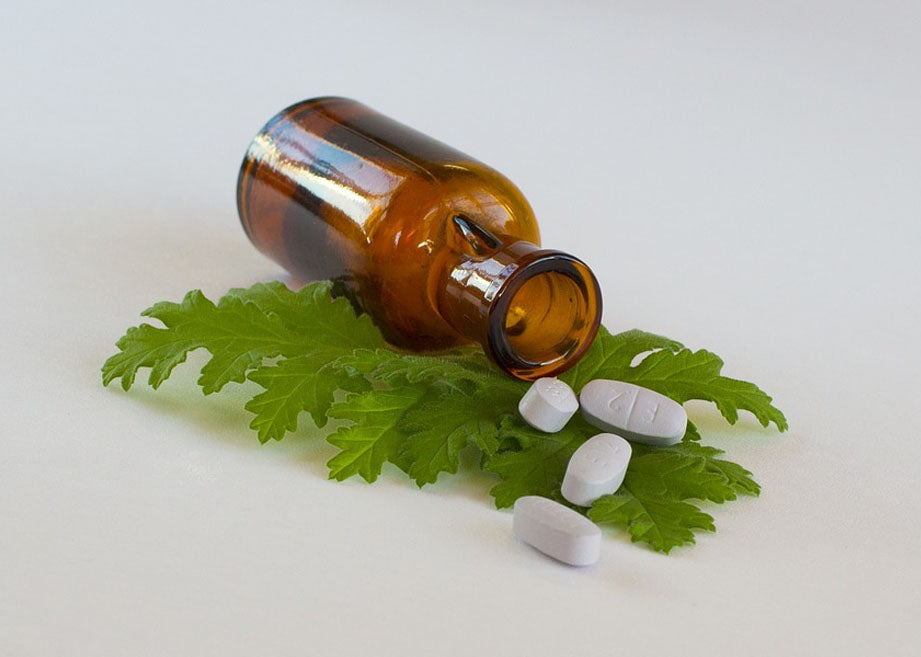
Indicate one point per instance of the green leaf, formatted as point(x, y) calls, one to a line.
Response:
point(679, 475)
point(691, 434)
point(419, 411)
point(738, 478)
point(147, 346)
point(452, 369)
point(312, 312)
point(303, 383)
point(651, 504)
point(245, 328)
point(309, 381)
point(374, 435)
point(538, 466)
point(442, 424)
point(675, 372)
point(611, 354)
point(650, 518)
point(687, 375)
point(237, 334)
point(277, 298)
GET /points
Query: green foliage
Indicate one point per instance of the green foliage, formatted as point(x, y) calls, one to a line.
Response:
point(310, 353)
point(674, 371)
point(432, 447)
point(535, 462)
point(652, 502)
point(374, 435)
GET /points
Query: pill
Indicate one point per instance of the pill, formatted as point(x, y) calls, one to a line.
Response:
point(636, 413)
point(597, 468)
point(557, 530)
point(548, 404)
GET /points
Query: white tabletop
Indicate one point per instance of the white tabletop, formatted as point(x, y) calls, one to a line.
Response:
point(743, 177)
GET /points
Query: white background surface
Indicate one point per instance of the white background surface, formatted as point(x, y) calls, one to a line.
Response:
point(742, 176)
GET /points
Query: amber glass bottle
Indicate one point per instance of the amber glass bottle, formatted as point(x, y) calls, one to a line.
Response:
point(438, 248)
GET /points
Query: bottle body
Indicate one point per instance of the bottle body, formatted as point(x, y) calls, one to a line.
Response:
point(428, 240)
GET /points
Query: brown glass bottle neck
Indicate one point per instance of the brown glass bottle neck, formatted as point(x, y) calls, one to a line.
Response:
point(477, 297)
point(470, 289)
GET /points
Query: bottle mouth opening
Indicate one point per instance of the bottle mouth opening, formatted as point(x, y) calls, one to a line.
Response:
point(545, 317)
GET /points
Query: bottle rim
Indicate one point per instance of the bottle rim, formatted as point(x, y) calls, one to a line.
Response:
point(541, 262)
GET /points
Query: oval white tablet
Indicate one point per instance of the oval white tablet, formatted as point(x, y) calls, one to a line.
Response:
point(548, 404)
point(636, 413)
point(597, 468)
point(557, 531)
